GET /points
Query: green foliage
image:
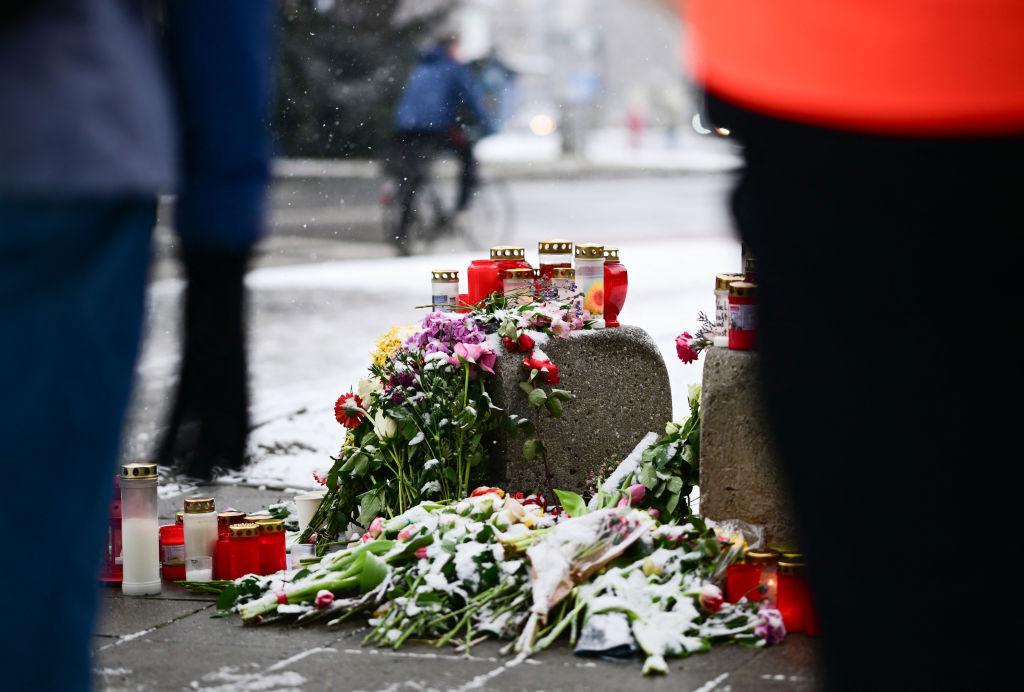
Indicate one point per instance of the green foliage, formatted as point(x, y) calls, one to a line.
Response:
point(572, 504)
point(340, 71)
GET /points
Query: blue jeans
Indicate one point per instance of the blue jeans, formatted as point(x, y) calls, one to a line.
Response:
point(72, 288)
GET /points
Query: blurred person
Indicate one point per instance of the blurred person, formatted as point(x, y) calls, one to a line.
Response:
point(101, 110)
point(876, 197)
point(430, 115)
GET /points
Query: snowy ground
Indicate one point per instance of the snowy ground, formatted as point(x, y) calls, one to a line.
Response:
point(313, 324)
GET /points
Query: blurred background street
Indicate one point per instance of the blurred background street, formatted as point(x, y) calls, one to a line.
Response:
point(599, 141)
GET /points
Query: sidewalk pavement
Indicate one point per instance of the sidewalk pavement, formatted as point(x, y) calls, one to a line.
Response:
point(171, 642)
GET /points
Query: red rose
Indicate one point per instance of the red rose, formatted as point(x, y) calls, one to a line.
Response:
point(348, 410)
point(525, 342)
point(548, 370)
point(510, 346)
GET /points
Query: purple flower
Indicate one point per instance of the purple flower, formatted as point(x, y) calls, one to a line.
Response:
point(770, 626)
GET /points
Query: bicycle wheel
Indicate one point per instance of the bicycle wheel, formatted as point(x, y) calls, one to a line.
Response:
point(490, 217)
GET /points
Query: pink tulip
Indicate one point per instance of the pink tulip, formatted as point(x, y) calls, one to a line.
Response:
point(421, 553)
point(655, 514)
point(636, 493)
point(406, 533)
point(711, 598)
point(324, 598)
point(376, 527)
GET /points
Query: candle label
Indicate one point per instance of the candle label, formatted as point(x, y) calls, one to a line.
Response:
point(743, 317)
point(721, 311)
point(172, 555)
point(590, 279)
point(444, 303)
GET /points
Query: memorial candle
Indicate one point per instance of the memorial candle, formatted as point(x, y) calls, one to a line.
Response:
point(793, 596)
point(140, 530)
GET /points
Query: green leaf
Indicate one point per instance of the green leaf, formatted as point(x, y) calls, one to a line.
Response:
point(648, 476)
point(531, 448)
point(670, 507)
point(227, 598)
point(554, 408)
point(370, 505)
point(373, 573)
point(675, 484)
point(562, 394)
point(526, 387)
point(537, 398)
point(572, 503)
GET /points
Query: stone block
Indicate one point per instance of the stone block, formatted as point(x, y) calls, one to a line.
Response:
point(739, 474)
point(622, 393)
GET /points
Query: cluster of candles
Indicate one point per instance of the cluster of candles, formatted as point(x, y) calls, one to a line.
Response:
point(736, 308)
point(200, 545)
point(597, 275)
point(775, 576)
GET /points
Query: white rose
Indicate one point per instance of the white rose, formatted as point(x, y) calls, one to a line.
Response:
point(366, 387)
point(384, 426)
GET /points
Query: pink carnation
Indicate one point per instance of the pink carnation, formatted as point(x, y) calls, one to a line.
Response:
point(684, 349)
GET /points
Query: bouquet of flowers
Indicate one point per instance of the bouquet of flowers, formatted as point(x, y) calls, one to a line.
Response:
point(417, 423)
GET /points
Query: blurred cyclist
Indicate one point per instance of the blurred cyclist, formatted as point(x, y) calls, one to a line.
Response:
point(429, 115)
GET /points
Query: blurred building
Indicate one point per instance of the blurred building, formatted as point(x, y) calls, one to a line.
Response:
point(585, 64)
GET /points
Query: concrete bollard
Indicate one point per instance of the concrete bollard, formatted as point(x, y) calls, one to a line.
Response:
point(739, 474)
point(622, 393)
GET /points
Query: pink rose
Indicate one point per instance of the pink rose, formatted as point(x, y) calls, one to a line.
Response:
point(421, 553)
point(324, 598)
point(711, 598)
point(376, 527)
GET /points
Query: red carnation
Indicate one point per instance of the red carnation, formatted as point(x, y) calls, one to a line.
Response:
point(548, 370)
point(684, 349)
point(348, 410)
point(523, 344)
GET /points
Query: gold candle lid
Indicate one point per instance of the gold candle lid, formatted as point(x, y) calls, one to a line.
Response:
point(244, 530)
point(722, 281)
point(742, 289)
point(761, 556)
point(450, 275)
point(519, 273)
point(271, 525)
point(179, 517)
point(611, 254)
point(564, 273)
point(138, 472)
point(229, 518)
point(590, 251)
point(198, 505)
point(793, 568)
point(554, 247)
point(508, 252)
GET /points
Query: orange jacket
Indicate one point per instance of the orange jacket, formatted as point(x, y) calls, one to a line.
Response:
point(924, 67)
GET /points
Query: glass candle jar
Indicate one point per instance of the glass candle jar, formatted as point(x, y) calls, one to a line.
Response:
point(483, 279)
point(563, 280)
point(226, 519)
point(794, 599)
point(444, 289)
point(554, 254)
point(222, 555)
point(742, 316)
point(590, 279)
point(722, 282)
point(616, 282)
point(741, 581)
point(273, 554)
point(200, 538)
point(172, 549)
point(518, 282)
point(140, 530)
point(244, 550)
point(111, 572)
point(509, 257)
point(767, 561)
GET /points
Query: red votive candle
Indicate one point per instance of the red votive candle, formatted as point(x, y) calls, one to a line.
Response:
point(794, 598)
point(273, 554)
point(616, 282)
point(742, 316)
point(244, 551)
point(742, 579)
point(172, 550)
point(554, 254)
point(483, 279)
point(509, 257)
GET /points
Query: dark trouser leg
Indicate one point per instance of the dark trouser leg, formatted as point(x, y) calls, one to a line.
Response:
point(888, 270)
point(470, 177)
point(72, 282)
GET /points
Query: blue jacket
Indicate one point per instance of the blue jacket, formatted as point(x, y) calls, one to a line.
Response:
point(436, 93)
point(95, 105)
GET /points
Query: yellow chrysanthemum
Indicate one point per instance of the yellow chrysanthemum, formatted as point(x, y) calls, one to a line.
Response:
point(389, 343)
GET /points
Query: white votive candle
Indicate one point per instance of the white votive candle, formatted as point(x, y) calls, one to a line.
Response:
point(140, 530)
point(200, 524)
